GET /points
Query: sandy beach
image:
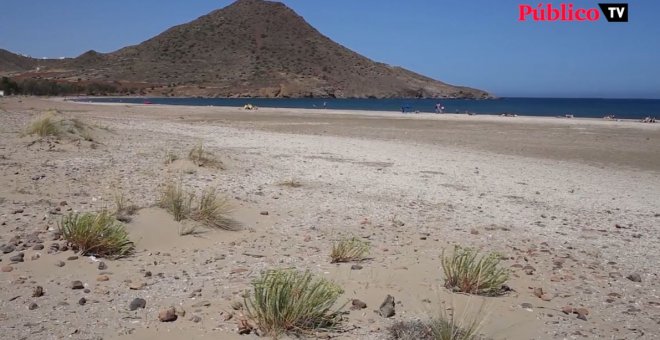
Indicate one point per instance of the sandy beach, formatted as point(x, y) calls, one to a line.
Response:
point(573, 206)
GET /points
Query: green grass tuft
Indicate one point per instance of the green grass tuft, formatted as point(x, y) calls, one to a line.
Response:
point(96, 234)
point(290, 301)
point(465, 271)
point(349, 249)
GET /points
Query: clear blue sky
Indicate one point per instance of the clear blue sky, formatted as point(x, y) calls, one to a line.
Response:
point(476, 43)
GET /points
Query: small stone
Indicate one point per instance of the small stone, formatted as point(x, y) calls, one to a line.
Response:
point(72, 258)
point(264, 213)
point(356, 267)
point(634, 277)
point(82, 301)
point(17, 211)
point(59, 263)
point(35, 257)
point(538, 292)
point(102, 266)
point(7, 248)
point(167, 315)
point(567, 310)
point(358, 304)
point(33, 306)
point(6, 269)
point(38, 247)
point(526, 305)
point(386, 308)
point(582, 313)
point(195, 319)
point(546, 297)
point(147, 274)
point(137, 303)
point(237, 305)
point(474, 231)
point(38, 291)
point(136, 285)
point(63, 203)
point(77, 285)
point(17, 258)
point(227, 316)
point(102, 278)
point(202, 304)
point(180, 311)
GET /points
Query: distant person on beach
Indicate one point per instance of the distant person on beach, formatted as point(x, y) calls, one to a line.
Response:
point(439, 108)
point(325, 105)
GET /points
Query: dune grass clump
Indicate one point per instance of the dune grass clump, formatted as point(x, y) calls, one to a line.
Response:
point(208, 208)
point(44, 126)
point(349, 250)
point(176, 201)
point(468, 272)
point(212, 211)
point(442, 328)
point(123, 208)
point(201, 157)
point(98, 234)
point(290, 301)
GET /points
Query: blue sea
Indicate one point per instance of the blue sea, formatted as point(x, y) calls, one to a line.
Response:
point(591, 108)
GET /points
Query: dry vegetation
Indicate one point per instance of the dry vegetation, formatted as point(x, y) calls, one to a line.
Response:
point(468, 272)
point(208, 208)
point(202, 157)
point(348, 250)
point(289, 301)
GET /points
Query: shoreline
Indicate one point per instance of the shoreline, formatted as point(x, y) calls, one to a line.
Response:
point(504, 113)
point(374, 113)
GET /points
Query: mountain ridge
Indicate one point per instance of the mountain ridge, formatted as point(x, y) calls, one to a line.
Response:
point(251, 48)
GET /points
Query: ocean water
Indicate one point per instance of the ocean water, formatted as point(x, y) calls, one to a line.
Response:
point(592, 108)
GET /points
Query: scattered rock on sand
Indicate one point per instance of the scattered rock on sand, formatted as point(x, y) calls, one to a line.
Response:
point(386, 308)
point(634, 277)
point(17, 258)
point(167, 315)
point(59, 263)
point(38, 247)
point(138, 303)
point(6, 269)
point(195, 319)
point(102, 278)
point(136, 285)
point(33, 306)
point(7, 248)
point(264, 213)
point(82, 301)
point(358, 304)
point(38, 291)
point(77, 285)
point(72, 258)
point(237, 305)
point(102, 266)
point(356, 267)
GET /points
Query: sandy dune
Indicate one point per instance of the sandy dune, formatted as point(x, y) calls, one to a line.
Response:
point(578, 200)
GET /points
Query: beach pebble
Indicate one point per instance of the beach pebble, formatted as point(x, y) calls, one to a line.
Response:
point(195, 319)
point(7, 248)
point(33, 306)
point(38, 247)
point(356, 267)
point(137, 303)
point(358, 304)
point(102, 278)
point(17, 258)
point(38, 291)
point(77, 285)
point(167, 315)
point(634, 277)
point(59, 263)
point(82, 301)
point(264, 213)
point(102, 266)
point(386, 308)
point(6, 269)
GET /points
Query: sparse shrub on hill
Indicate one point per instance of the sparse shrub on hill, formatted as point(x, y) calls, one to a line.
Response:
point(349, 249)
point(98, 234)
point(468, 272)
point(290, 301)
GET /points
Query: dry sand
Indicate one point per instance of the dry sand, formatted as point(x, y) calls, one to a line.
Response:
point(578, 200)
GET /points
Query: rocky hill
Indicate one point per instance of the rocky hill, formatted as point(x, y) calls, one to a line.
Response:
point(250, 48)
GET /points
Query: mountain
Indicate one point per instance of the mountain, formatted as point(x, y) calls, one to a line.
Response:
point(252, 48)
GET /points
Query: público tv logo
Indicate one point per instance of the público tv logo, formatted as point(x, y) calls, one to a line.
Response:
point(613, 12)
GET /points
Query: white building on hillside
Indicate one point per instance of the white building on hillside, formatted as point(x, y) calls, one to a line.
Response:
point(2, 93)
